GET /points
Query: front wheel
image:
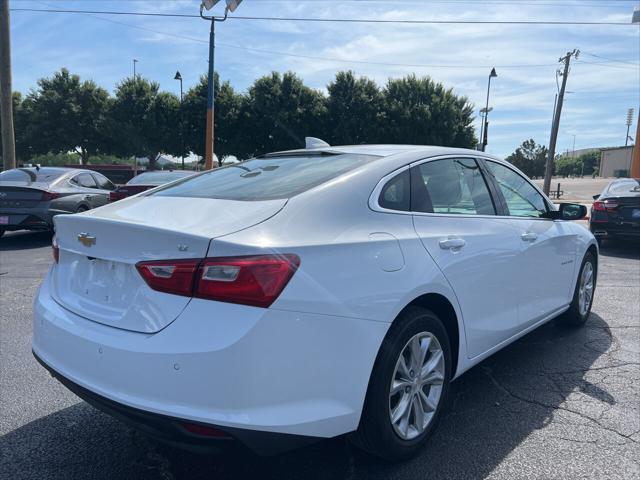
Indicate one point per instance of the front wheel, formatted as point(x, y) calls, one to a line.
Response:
point(408, 387)
point(580, 307)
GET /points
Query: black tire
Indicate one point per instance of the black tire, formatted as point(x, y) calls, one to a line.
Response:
point(376, 434)
point(82, 208)
point(1, 233)
point(574, 317)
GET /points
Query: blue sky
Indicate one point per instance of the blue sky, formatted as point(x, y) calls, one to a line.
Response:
point(604, 82)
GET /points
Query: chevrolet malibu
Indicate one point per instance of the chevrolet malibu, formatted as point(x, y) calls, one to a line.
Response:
point(307, 294)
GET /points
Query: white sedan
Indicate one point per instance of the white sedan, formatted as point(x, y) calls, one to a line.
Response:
point(307, 294)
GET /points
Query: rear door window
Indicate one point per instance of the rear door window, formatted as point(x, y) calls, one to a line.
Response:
point(451, 186)
point(84, 180)
point(267, 178)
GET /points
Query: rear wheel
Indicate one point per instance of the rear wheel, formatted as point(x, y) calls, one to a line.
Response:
point(580, 308)
point(408, 387)
point(82, 208)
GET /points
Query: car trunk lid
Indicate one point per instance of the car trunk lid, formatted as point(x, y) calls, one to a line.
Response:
point(96, 276)
point(21, 194)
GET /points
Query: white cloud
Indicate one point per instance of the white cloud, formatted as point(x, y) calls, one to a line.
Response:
point(522, 97)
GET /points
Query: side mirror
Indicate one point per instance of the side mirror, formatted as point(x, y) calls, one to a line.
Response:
point(571, 211)
point(595, 197)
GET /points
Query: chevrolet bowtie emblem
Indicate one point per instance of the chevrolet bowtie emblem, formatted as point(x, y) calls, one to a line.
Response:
point(86, 239)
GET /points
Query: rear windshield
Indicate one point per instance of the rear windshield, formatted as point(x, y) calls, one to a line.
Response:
point(157, 178)
point(266, 178)
point(46, 175)
point(625, 187)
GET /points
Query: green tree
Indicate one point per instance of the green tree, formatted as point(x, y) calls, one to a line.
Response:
point(65, 114)
point(530, 157)
point(590, 160)
point(566, 166)
point(423, 112)
point(144, 121)
point(280, 112)
point(228, 132)
point(355, 110)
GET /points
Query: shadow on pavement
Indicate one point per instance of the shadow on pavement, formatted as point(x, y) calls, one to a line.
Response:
point(492, 409)
point(620, 249)
point(23, 240)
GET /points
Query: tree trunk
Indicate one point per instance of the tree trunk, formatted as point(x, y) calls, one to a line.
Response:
point(153, 157)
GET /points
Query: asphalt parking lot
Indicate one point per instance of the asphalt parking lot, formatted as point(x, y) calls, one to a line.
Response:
point(556, 404)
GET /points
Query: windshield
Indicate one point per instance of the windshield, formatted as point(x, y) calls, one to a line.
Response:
point(158, 178)
point(46, 175)
point(266, 178)
point(625, 186)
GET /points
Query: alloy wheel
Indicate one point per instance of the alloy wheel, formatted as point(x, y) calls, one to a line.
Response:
point(416, 385)
point(585, 291)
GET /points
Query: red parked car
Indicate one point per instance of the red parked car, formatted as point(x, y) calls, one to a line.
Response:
point(147, 180)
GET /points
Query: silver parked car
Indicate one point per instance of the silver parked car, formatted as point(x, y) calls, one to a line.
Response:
point(31, 197)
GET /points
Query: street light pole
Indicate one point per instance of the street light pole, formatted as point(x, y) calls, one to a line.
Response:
point(629, 122)
point(209, 135)
point(134, 68)
point(483, 134)
point(179, 77)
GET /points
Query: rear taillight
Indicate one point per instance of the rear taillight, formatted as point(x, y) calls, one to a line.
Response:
point(55, 249)
point(170, 276)
point(117, 195)
point(605, 206)
point(249, 280)
point(47, 196)
point(256, 280)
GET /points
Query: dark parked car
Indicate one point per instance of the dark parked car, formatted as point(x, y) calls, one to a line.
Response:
point(616, 211)
point(148, 180)
point(31, 197)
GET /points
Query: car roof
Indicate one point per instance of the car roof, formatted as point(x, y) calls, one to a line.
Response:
point(61, 170)
point(382, 150)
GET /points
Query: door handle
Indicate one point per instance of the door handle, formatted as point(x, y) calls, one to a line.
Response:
point(529, 237)
point(452, 243)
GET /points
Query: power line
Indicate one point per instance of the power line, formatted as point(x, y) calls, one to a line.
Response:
point(623, 67)
point(332, 20)
point(313, 57)
point(327, 59)
point(612, 59)
point(583, 3)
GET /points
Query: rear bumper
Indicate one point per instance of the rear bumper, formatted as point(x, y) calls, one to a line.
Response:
point(172, 431)
point(32, 219)
point(611, 230)
point(237, 368)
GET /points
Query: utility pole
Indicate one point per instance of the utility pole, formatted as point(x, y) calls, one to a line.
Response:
point(6, 103)
point(134, 68)
point(556, 121)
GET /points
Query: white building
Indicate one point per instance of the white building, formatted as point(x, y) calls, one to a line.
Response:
point(615, 162)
